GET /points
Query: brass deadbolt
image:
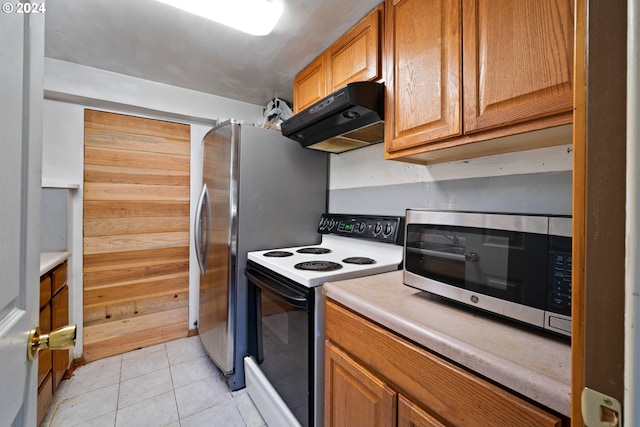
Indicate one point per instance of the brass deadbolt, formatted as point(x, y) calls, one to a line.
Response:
point(62, 338)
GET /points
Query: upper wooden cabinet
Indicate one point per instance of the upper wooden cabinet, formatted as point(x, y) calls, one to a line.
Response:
point(356, 56)
point(468, 72)
point(423, 59)
point(309, 86)
point(518, 61)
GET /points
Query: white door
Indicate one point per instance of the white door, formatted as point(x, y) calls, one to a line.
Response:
point(21, 75)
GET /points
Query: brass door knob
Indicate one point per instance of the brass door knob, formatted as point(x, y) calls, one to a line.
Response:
point(62, 338)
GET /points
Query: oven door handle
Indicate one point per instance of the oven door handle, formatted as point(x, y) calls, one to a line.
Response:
point(289, 295)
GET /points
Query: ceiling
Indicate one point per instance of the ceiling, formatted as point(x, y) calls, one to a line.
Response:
point(154, 41)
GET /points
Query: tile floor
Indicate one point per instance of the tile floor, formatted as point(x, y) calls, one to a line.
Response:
point(171, 384)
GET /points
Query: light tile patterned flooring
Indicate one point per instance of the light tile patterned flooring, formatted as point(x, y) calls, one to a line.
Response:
point(171, 384)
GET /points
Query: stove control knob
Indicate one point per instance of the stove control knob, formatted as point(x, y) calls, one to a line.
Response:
point(377, 229)
point(332, 224)
point(361, 227)
point(388, 229)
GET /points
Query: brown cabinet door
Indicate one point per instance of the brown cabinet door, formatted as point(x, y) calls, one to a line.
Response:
point(355, 57)
point(423, 60)
point(60, 317)
point(411, 415)
point(518, 61)
point(353, 395)
point(309, 86)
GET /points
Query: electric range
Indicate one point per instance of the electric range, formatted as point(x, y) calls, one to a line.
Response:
point(285, 367)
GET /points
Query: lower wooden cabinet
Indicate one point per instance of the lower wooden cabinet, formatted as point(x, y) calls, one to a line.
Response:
point(411, 415)
point(374, 377)
point(54, 312)
point(356, 396)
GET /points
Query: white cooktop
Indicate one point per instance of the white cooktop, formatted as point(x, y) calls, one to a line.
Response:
point(388, 257)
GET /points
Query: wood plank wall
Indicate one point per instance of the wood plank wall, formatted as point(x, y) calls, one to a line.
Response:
point(136, 233)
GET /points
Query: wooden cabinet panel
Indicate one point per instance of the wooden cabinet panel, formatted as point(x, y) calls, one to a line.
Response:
point(309, 86)
point(355, 395)
point(411, 415)
point(423, 57)
point(44, 357)
point(60, 317)
point(58, 278)
point(356, 56)
point(54, 312)
point(45, 290)
point(457, 396)
point(45, 396)
point(518, 61)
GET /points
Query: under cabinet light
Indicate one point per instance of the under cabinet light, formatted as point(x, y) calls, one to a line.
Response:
point(257, 17)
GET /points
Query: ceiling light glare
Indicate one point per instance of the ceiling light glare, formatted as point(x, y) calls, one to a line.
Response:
point(256, 17)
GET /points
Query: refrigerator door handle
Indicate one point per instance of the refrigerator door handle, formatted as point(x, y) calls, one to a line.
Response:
point(203, 201)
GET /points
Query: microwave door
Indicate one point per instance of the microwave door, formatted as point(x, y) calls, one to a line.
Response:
point(487, 265)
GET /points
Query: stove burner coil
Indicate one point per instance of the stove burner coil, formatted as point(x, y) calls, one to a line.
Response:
point(360, 260)
point(278, 254)
point(314, 251)
point(318, 266)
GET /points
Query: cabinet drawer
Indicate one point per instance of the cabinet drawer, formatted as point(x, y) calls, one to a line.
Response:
point(45, 290)
point(457, 396)
point(59, 278)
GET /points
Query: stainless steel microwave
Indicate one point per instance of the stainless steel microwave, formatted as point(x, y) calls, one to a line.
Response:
point(517, 266)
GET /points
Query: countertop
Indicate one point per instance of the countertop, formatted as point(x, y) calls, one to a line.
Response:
point(532, 363)
point(48, 260)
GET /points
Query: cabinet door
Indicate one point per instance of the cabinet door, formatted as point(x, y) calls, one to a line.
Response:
point(60, 317)
point(355, 57)
point(411, 415)
point(353, 395)
point(423, 58)
point(518, 61)
point(309, 86)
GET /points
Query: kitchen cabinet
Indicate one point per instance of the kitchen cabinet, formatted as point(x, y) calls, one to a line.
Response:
point(355, 396)
point(375, 373)
point(356, 56)
point(309, 85)
point(54, 313)
point(461, 74)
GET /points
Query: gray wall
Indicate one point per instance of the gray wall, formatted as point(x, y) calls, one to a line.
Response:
point(535, 181)
point(54, 220)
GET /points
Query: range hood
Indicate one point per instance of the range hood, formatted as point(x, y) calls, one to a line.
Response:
point(351, 117)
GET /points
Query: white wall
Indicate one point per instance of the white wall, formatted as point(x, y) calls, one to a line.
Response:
point(533, 181)
point(69, 89)
point(366, 167)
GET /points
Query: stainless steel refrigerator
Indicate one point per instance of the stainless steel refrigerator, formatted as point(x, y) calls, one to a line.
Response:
point(260, 191)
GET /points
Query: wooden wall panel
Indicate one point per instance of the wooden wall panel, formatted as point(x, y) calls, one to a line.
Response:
point(136, 233)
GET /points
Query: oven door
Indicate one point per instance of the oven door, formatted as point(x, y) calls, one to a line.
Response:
point(280, 316)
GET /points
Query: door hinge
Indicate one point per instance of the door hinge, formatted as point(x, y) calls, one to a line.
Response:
point(600, 410)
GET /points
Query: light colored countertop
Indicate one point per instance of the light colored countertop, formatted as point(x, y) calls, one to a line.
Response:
point(526, 361)
point(48, 260)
